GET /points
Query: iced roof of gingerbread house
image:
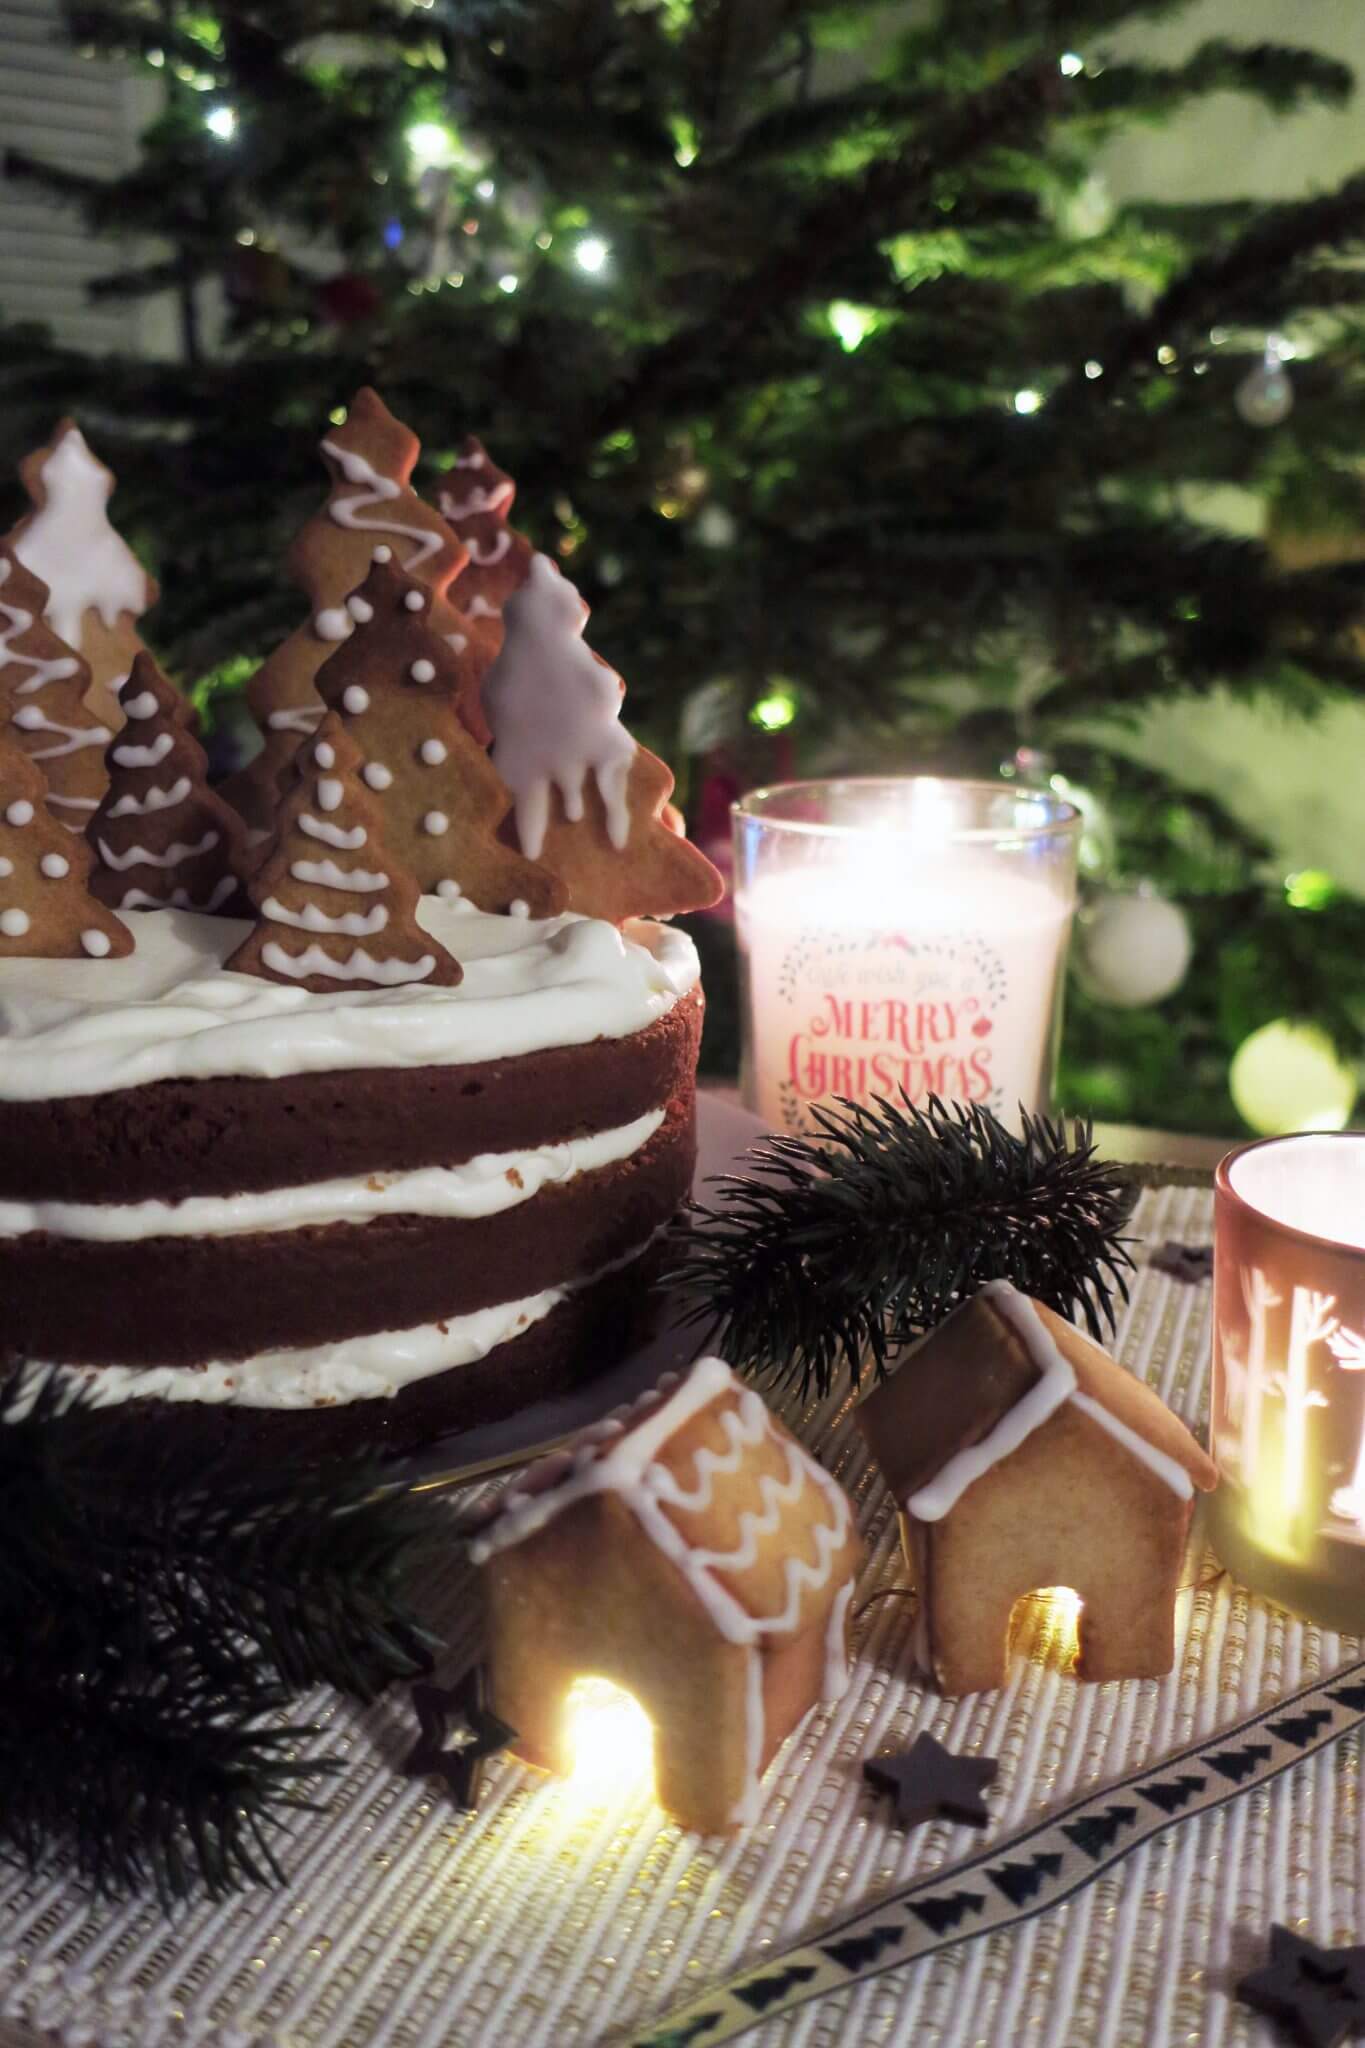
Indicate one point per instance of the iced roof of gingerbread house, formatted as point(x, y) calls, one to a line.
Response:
point(974, 1389)
point(761, 1533)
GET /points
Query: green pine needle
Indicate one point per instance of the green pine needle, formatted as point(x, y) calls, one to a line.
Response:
point(836, 1248)
point(157, 1628)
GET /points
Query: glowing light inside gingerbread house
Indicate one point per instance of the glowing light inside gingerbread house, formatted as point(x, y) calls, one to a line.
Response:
point(610, 1739)
point(1288, 1410)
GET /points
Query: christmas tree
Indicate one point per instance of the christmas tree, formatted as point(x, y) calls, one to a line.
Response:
point(325, 924)
point(396, 686)
point(865, 419)
point(476, 503)
point(47, 911)
point(43, 690)
point(164, 840)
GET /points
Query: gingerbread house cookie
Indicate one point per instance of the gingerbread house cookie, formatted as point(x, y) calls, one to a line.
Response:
point(1021, 1457)
point(689, 1550)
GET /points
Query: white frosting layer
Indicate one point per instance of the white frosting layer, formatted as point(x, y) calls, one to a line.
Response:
point(168, 1011)
point(483, 1186)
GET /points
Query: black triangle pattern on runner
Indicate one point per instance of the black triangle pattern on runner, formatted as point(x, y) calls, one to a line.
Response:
point(941, 1914)
point(1022, 1881)
point(1064, 1853)
point(1300, 1728)
point(768, 1990)
point(1173, 1793)
point(862, 1948)
point(1099, 1831)
point(1238, 1764)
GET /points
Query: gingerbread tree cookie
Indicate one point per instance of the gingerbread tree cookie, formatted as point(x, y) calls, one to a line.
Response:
point(43, 686)
point(395, 683)
point(477, 501)
point(369, 460)
point(335, 909)
point(46, 909)
point(164, 840)
point(97, 588)
point(589, 801)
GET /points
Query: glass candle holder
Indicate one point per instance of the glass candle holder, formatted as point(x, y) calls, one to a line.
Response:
point(901, 934)
point(1287, 1424)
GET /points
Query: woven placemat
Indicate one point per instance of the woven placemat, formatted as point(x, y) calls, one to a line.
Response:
point(550, 1917)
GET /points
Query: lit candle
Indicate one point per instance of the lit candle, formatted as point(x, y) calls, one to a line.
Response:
point(1288, 1410)
point(905, 935)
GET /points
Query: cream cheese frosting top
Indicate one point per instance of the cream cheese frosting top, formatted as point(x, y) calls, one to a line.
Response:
point(170, 1012)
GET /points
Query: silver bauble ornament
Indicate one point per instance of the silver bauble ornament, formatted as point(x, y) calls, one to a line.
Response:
point(1265, 396)
point(1134, 948)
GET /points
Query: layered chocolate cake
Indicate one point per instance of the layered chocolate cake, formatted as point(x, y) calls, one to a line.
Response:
point(379, 1214)
point(393, 1156)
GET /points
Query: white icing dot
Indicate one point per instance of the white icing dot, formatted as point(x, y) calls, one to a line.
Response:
point(518, 907)
point(361, 610)
point(325, 754)
point(355, 700)
point(414, 601)
point(55, 865)
point(436, 822)
point(382, 553)
point(377, 775)
point(6, 867)
point(459, 641)
point(13, 923)
point(450, 891)
point(329, 794)
point(20, 813)
point(141, 706)
point(434, 752)
point(334, 623)
point(95, 943)
point(423, 671)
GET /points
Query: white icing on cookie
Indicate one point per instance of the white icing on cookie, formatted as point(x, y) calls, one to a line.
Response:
point(479, 500)
point(147, 857)
point(333, 622)
point(480, 608)
point(357, 966)
point(155, 800)
point(436, 823)
point(96, 943)
point(352, 924)
point(329, 793)
point(484, 1186)
point(304, 720)
point(554, 710)
point(29, 718)
point(14, 623)
point(128, 756)
point(485, 558)
point(355, 700)
point(376, 775)
point(54, 866)
point(330, 876)
point(169, 1012)
point(20, 812)
point(179, 898)
point(70, 544)
point(423, 671)
point(347, 838)
point(1056, 1383)
point(143, 705)
point(433, 752)
point(378, 490)
point(13, 923)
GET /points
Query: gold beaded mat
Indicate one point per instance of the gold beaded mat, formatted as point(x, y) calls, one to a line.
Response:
point(559, 1915)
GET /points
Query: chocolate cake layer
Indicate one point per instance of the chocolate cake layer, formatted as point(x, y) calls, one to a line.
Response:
point(186, 1301)
point(577, 1341)
point(173, 1139)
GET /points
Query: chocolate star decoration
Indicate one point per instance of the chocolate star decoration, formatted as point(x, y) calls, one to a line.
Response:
point(1189, 1262)
point(1318, 1994)
point(458, 1732)
point(931, 1783)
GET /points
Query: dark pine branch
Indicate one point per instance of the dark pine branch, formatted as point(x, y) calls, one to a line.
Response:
point(835, 1249)
point(155, 1631)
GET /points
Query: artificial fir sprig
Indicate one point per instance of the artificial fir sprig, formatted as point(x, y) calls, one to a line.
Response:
point(155, 1626)
point(837, 1247)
